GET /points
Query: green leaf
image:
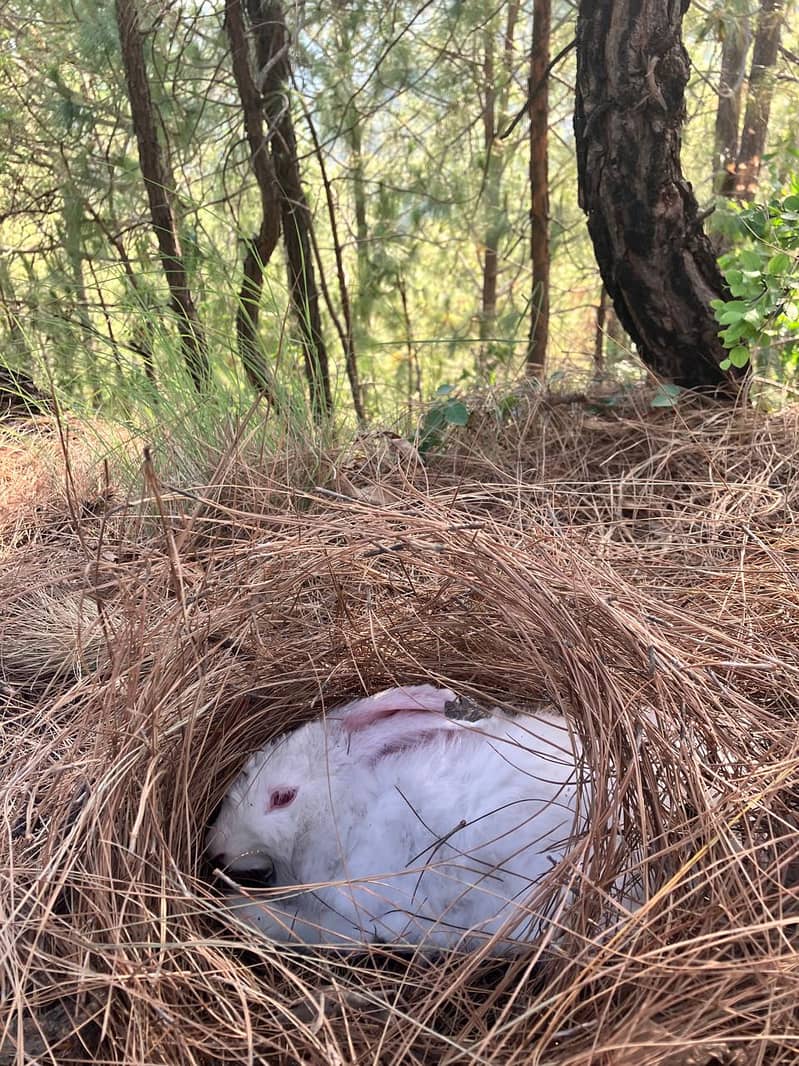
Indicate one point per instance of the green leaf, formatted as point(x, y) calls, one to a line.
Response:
point(779, 264)
point(791, 311)
point(741, 306)
point(433, 420)
point(726, 318)
point(457, 414)
point(666, 396)
point(739, 356)
point(750, 260)
point(725, 364)
point(791, 203)
point(444, 390)
point(733, 333)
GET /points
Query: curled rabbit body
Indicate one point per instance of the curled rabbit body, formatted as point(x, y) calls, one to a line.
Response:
point(389, 822)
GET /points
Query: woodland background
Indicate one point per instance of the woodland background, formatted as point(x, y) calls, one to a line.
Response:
point(422, 258)
point(234, 234)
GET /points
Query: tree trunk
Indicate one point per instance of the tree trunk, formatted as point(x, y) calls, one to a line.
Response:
point(488, 301)
point(346, 330)
point(259, 248)
point(599, 332)
point(496, 86)
point(539, 187)
point(272, 53)
point(734, 49)
point(73, 246)
point(758, 101)
point(143, 327)
point(364, 299)
point(656, 261)
point(159, 184)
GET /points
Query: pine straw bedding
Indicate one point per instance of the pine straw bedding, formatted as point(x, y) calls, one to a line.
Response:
point(637, 572)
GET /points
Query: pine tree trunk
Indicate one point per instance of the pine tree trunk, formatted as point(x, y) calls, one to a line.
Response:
point(259, 248)
point(496, 83)
point(758, 101)
point(491, 190)
point(599, 332)
point(159, 184)
point(539, 188)
point(656, 262)
point(352, 130)
point(272, 54)
point(734, 50)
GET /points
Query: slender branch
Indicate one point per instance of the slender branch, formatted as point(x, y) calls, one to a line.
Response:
point(525, 109)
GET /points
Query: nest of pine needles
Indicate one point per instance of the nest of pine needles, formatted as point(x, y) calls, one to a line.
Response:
point(636, 569)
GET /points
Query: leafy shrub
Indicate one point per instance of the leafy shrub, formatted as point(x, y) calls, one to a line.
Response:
point(764, 284)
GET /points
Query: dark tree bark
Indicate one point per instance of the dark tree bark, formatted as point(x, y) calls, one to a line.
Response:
point(272, 56)
point(656, 262)
point(539, 187)
point(758, 101)
point(258, 248)
point(159, 184)
point(734, 50)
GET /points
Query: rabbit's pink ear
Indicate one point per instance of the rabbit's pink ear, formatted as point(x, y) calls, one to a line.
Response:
point(395, 720)
point(360, 714)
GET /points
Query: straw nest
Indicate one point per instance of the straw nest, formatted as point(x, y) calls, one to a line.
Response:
point(637, 571)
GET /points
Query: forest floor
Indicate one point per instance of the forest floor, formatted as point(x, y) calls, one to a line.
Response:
point(638, 569)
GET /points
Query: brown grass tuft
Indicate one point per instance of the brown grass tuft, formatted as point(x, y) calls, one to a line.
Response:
point(637, 570)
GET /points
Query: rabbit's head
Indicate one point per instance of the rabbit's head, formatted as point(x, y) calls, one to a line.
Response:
point(285, 795)
point(279, 795)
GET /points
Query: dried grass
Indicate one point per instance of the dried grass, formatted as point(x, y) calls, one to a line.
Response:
point(638, 571)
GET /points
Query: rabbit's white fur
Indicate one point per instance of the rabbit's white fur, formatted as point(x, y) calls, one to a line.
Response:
point(404, 826)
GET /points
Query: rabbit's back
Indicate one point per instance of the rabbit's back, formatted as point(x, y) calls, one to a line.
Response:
point(457, 833)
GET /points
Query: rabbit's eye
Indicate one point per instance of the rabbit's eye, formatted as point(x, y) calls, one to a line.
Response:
point(281, 797)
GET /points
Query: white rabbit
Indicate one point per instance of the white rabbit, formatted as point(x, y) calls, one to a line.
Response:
point(403, 826)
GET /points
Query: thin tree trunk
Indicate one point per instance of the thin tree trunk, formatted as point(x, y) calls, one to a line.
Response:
point(363, 304)
point(734, 50)
point(143, 343)
point(758, 100)
point(346, 333)
point(656, 262)
point(488, 302)
point(272, 53)
point(159, 182)
point(359, 309)
point(414, 370)
point(259, 248)
point(73, 246)
point(496, 90)
point(539, 188)
point(599, 333)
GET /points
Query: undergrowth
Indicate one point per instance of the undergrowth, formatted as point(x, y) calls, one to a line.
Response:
point(635, 568)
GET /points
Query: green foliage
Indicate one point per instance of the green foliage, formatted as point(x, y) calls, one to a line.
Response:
point(421, 179)
point(763, 278)
point(446, 411)
point(666, 395)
